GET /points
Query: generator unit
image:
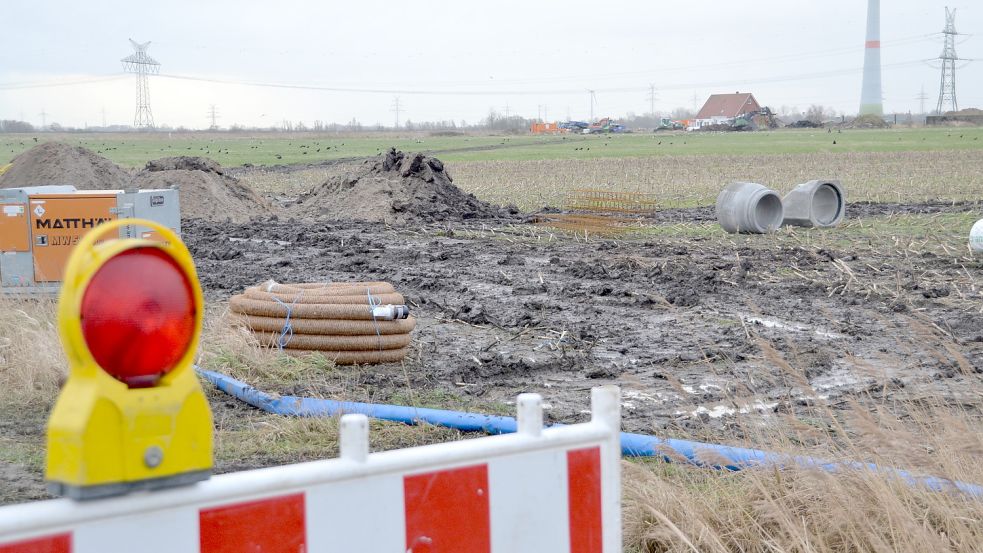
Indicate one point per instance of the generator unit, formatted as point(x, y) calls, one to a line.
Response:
point(40, 225)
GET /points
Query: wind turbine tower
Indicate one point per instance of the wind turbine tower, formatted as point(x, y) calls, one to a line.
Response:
point(140, 64)
point(871, 102)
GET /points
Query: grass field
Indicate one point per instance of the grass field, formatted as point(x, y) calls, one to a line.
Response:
point(135, 149)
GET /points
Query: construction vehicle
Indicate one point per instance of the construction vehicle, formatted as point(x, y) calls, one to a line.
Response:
point(667, 124)
point(41, 225)
point(546, 128)
point(605, 125)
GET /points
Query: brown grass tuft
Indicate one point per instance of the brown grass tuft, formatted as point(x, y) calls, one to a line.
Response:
point(32, 364)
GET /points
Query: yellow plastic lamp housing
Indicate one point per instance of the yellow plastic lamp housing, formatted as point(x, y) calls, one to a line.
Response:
point(132, 414)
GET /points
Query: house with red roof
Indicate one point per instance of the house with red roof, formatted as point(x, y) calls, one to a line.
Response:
point(721, 109)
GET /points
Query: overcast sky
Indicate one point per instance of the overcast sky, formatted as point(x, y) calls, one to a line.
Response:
point(458, 60)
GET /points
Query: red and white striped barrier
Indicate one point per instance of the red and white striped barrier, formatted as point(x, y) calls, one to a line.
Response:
point(538, 490)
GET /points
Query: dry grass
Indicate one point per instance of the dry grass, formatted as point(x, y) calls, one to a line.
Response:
point(678, 508)
point(696, 180)
point(32, 365)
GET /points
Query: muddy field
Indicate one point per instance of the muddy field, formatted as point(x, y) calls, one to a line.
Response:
point(694, 329)
point(708, 335)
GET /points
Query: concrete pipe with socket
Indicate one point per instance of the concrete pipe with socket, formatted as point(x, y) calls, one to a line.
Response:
point(976, 238)
point(817, 203)
point(748, 207)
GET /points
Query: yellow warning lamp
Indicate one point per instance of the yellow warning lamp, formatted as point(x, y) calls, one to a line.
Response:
point(131, 414)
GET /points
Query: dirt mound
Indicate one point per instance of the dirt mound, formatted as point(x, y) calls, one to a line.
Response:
point(868, 122)
point(396, 188)
point(60, 163)
point(967, 111)
point(185, 163)
point(205, 194)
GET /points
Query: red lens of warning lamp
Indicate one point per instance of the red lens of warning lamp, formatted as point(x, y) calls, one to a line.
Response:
point(138, 316)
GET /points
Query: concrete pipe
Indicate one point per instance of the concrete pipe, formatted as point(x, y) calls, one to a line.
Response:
point(817, 203)
point(749, 207)
point(976, 238)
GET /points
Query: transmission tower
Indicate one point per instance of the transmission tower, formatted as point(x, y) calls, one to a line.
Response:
point(397, 109)
point(44, 119)
point(214, 116)
point(140, 64)
point(947, 86)
point(921, 100)
point(651, 97)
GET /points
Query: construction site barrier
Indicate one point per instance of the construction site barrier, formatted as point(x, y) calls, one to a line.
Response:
point(702, 454)
point(555, 490)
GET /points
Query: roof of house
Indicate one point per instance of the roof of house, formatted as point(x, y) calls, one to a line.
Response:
point(728, 105)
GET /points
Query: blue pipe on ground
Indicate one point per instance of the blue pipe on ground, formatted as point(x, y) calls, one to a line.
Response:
point(701, 454)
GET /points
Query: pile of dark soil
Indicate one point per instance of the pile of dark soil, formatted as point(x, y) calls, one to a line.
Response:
point(396, 188)
point(185, 163)
point(205, 191)
point(59, 163)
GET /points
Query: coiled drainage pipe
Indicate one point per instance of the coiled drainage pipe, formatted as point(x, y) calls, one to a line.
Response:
point(701, 454)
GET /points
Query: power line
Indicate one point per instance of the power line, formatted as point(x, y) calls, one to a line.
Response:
point(491, 92)
point(484, 92)
point(60, 82)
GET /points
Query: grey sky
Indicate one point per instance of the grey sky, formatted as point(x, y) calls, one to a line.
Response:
point(479, 56)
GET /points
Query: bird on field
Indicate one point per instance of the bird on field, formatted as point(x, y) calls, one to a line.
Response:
point(834, 142)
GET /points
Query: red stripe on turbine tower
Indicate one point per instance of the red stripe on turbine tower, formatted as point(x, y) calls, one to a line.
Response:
point(873, 44)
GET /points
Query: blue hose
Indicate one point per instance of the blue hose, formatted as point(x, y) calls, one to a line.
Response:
point(716, 456)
